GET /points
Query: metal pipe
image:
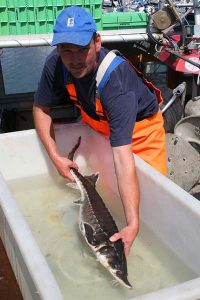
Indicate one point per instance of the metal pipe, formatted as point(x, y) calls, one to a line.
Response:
point(45, 40)
point(25, 41)
point(183, 5)
point(196, 12)
point(175, 12)
point(177, 92)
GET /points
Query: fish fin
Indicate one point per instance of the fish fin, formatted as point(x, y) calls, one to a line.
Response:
point(93, 178)
point(79, 201)
point(115, 282)
point(72, 185)
point(72, 152)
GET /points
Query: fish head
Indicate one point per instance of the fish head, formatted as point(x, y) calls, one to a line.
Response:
point(115, 261)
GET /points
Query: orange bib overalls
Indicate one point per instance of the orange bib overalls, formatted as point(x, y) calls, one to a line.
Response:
point(148, 139)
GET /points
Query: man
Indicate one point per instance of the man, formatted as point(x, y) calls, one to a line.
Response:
point(127, 111)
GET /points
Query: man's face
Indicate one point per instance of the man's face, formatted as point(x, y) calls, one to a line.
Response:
point(80, 61)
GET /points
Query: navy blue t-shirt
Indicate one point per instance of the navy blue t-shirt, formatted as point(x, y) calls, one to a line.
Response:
point(125, 97)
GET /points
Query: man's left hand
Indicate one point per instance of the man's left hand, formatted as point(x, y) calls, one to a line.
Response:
point(128, 235)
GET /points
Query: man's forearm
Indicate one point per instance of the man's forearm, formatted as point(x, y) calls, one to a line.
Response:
point(127, 182)
point(44, 127)
point(129, 192)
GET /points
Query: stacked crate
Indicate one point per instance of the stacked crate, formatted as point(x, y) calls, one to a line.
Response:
point(22, 17)
point(38, 16)
point(123, 20)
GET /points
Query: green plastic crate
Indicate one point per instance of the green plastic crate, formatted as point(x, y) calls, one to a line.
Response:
point(35, 3)
point(124, 20)
point(3, 3)
point(38, 16)
point(16, 3)
point(3, 14)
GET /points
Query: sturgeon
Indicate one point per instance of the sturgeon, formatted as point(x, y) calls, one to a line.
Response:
point(97, 225)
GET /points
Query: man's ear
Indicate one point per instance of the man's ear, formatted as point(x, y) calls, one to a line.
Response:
point(98, 42)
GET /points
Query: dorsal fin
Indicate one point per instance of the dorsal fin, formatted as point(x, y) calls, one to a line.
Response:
point(71, 154)
point(93, 178)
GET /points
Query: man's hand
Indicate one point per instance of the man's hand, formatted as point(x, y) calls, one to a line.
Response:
point(128, 235)
point(63, 166)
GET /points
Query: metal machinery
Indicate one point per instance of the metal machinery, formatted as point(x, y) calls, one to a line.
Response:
point(178, 25)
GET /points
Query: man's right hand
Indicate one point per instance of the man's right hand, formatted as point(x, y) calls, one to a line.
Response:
point(63, 166)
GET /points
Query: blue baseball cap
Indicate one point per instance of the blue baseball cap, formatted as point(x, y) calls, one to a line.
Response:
point(74, 25)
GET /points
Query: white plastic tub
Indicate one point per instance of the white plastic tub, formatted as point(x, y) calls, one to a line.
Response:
point(167, 210)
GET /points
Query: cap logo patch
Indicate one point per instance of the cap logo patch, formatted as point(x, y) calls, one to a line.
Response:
point(70, 22)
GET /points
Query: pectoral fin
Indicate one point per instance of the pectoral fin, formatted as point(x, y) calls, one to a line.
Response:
point(72, 185)
point(79, 201)
point(89, 234)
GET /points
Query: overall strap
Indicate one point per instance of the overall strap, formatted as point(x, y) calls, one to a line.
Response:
point(108, 64)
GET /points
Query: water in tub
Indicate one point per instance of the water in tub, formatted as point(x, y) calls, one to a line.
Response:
point(47, 204)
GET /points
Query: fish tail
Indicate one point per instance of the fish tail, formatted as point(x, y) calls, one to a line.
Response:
point(72, 152)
